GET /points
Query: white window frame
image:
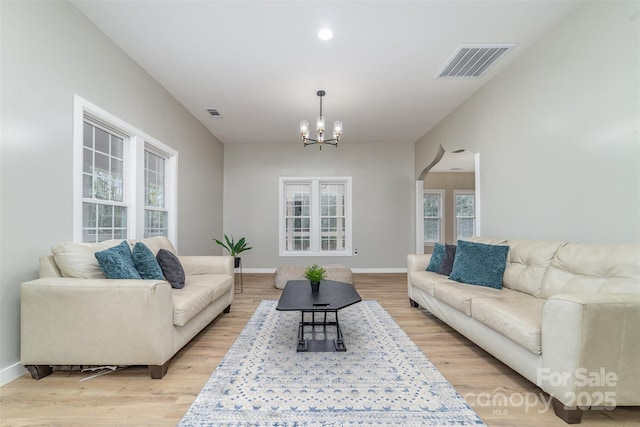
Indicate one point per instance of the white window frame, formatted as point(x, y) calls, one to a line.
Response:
point(315, 238)
point(455, 209)
point(134, 150)
point(441, 193)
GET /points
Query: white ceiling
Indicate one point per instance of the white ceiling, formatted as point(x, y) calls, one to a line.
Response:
point(260, 63)
point(463, 161)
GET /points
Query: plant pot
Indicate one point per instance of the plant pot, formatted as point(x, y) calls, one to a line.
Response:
point(237, 261)
point(315, 287)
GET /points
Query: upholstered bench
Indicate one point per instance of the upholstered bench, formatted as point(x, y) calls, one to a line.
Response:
point(337, 272)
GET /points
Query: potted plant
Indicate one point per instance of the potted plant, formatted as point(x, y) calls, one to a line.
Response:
point(315, 274)
point(234, 248)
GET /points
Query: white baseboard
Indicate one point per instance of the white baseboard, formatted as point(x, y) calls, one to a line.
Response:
point(355, 270)
point(379, 270)
point(11, 373)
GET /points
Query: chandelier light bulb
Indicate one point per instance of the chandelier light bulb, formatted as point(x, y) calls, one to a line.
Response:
point(304, 128)
point(320, 123)
point(337, 129)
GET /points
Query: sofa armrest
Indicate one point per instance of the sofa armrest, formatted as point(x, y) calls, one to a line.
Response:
point(207, 264)
point(417, 262)
point(591, 348)
point(69, 321)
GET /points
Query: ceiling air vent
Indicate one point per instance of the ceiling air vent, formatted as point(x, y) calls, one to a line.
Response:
point(214, 113)
point(473, 60)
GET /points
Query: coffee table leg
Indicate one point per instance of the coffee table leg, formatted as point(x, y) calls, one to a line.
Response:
point(302, 343)
point(339, 341)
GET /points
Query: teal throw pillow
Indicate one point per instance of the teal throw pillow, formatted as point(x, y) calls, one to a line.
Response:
point(436, 258)
point(479, 264)
point(117, 262)
point(146, 263)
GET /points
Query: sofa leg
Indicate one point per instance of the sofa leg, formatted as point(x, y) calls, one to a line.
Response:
point(158, 371)
point(39, 371)
point(228, 309)
point(413, 303)
point(568, 414)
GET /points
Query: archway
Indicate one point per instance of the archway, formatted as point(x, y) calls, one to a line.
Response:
point(447, 188)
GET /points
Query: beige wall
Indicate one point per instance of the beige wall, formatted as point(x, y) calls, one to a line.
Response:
point(557, 133)
point(448, 181)
point(50, 52)
point(383, 192)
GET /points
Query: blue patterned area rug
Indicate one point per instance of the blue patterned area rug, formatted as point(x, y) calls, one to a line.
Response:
point(382, 378)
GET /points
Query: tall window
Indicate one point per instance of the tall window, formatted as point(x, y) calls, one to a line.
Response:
point(433, 216)
point(298, 217)
point(156, 214)
point(125, 180)
point(465, 207)
point(104, 205)
point(315, 216)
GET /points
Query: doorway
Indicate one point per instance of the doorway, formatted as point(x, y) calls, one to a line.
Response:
point(448, 200)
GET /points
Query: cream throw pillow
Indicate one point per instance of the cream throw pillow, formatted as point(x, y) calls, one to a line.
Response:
point(79, 260)
point(155, 244)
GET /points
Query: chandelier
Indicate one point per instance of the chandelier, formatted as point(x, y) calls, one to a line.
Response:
point(304, 129)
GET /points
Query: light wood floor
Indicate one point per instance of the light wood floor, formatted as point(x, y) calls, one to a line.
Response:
point(129, 397)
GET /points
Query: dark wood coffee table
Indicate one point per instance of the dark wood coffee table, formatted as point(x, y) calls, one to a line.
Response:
point(332, 297)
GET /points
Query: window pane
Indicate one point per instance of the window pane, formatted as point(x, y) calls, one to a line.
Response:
point(117, 147)
point(465, 205)
point(332, 217)
point(431, 230)
point(102, 141)
point(297, 219)
point(432, 205)
point(465, 228)
point(119, 217)
point(104, 167)
point(87, 186)
point(89, 215)
point(88, 136)
point(154, 189)
point(156, 223)
point(465, 215)
point(432, 217)
point(87, 160)
point(103, 222)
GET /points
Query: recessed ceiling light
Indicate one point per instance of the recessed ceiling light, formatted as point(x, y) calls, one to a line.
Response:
point(325, 34)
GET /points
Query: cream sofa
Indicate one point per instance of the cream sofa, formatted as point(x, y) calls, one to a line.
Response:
point(74, 315)
point(567, 318)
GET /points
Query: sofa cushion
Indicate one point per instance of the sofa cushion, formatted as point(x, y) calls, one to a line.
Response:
point(426, 280)
point(436, 257)
point(526, 264)
point(460, 295)
point(146, 263)
point(200, 291)
point(155, 244)
point(593, 268)
point(479, 264)
point(447, 260)
point(171, 268)
point(78, 260)
point(518, 318)
point(117, 262)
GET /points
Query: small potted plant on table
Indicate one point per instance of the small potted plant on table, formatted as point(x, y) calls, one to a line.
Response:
point(315, 274)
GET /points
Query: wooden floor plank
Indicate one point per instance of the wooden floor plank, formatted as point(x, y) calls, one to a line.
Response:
point(130, 398)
